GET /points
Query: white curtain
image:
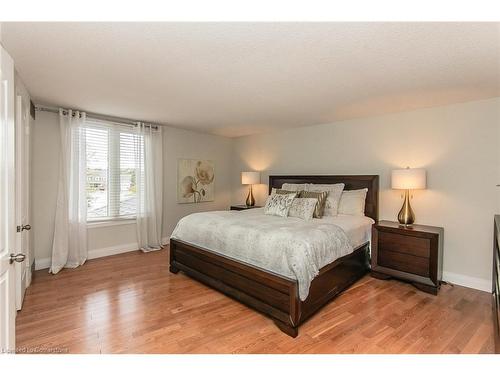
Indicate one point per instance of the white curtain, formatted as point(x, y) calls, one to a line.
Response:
point(149, 183)
point(69, 248)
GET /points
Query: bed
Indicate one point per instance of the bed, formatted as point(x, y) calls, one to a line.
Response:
point(278, 293)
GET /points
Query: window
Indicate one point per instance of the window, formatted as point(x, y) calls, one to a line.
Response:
point(112, 153)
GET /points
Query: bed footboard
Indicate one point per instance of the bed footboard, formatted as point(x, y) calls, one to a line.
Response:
point(271, 294)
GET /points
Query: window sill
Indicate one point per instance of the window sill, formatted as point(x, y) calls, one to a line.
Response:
point(109, 223)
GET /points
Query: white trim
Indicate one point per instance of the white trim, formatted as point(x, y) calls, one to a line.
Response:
point(112, 250)
point(110, 223)
point(44, 263)
point(467, 281)
point(41, 264)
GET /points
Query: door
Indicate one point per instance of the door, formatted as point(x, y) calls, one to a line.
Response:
point(7, 203)
point(23, 271)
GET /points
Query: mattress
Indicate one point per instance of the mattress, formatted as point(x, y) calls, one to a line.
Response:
point(290, 247)
point(357, 228)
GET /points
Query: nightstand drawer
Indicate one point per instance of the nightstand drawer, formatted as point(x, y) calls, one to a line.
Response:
point(416, 246)
point(403, 262)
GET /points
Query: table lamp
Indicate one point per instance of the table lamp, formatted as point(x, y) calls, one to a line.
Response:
point(408, 179)
point(250, 178)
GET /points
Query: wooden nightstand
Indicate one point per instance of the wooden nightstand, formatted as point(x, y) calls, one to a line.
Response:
point(413, 254)
point(241, 207)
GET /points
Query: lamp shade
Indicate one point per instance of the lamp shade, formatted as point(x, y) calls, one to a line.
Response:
point(250, 178)
point(408, 179)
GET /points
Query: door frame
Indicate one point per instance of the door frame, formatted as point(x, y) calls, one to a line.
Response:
point(7, 209)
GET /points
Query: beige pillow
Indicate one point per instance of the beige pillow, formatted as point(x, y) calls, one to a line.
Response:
point(352, 202)
point(332, 201)
point(303, 208)
point(320, 201)
point(293, 187)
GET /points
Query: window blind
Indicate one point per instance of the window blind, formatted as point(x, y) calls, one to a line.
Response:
point(113, 151)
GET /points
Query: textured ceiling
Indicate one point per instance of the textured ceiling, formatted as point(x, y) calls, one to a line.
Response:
point(235, 79)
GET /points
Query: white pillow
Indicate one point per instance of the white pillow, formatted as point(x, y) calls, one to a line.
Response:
point(303, 208)
point(294, 187)
point(332, 201)
point(279, 204)
point(352, 202)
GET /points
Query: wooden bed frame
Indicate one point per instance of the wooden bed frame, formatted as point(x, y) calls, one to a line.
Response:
point(272, 294)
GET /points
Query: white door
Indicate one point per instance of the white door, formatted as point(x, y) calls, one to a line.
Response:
point(23, 271)
point(7, 204)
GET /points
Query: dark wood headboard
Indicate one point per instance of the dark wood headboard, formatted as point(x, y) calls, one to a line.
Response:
point(353, 182)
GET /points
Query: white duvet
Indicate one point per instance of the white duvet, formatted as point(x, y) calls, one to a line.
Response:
point(288, 246)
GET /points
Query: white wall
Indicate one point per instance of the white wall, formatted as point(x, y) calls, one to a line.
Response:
point(104, 240)
point(458, 145)
point(182, 144)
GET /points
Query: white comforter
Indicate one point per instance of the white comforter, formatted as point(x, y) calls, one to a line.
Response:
point(287, 246)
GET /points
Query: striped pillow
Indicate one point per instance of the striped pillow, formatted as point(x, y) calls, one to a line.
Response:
point(320, 204)
point(334, 193)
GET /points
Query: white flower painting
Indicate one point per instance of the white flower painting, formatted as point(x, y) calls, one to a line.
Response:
point(195, 181)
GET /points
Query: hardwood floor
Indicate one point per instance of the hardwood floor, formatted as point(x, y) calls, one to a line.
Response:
point(130, 303)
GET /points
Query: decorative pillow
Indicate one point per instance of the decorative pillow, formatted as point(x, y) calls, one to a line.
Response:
point(279, 204)
point(320, 201)
point(352, 202)
point(332, 201)
point(281, 191)
point(303, 208)
point(293, 187)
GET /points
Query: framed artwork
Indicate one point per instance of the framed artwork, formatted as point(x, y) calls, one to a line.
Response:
point(195, 181)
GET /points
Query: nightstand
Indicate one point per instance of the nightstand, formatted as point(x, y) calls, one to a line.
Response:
point(241, 207)
point(413, 254)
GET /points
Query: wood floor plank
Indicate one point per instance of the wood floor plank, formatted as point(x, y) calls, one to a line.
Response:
point(130, 303)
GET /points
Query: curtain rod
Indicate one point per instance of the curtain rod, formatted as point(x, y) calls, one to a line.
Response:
point(98, 116)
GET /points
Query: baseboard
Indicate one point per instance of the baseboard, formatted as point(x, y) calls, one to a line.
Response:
point(41, 264)
point(467, 281)
point(112, 250)
point(44, 263)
